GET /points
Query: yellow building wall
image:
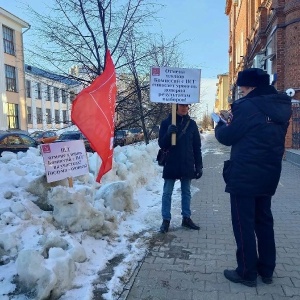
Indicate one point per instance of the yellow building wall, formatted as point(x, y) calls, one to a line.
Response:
point(17, 60)
point(222, 94)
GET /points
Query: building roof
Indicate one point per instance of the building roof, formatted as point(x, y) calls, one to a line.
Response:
point(16, 19)
point(56, 77)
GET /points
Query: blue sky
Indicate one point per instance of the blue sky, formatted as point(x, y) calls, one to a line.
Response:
point(205, 25)
point(202, 23)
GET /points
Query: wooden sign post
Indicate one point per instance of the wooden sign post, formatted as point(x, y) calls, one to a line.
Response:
point(173, 141)
point(70, 180)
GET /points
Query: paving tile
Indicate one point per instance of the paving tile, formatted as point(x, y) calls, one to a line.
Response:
point(188, 265)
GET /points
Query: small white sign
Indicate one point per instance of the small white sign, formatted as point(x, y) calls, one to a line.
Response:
point(174, 85)
point(64, 159)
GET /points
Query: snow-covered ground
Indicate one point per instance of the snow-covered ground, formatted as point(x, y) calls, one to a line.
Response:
point(56, 240)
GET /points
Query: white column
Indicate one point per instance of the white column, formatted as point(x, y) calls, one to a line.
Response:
point(44, 96)
point(68, 106)
point(61, 125)
point(33, 104)
point(52, 107)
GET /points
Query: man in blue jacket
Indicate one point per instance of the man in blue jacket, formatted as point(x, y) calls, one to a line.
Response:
point(184, 162)
point(256, 133)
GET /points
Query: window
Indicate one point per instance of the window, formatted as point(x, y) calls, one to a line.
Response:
point(28, 88)
point(48, 115)
point(20, 139)
point(65, 119)
point(48, 93)
point(39, 90)
point(56, 116)
point(39, 115)
point(29, 115)
point(14, 140)
point(10, 76)
point(26, 140)
point(8, 40)
point(63, 96)
point(55, 94)
point(72, 96)
point(12, 116)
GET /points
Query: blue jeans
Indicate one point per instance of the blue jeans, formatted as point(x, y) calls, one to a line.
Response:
point(167, 198)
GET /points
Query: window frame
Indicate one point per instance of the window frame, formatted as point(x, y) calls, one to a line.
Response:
point(63, 96)
point(13, 116)
point(39, 115)
point(48, 93)
point(48, 116)
point(56, 116)
point(39, 90)
point(8, 40)
point(56, 94)
point(29, 115)
point(10, 78)
point(28, 88)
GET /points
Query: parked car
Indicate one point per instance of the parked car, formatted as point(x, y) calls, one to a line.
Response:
point(154, 132)
point(16, 141)
point(16, 131)
point(123, 137)
point(44, 137)
point(72, 136)
point(137, 133)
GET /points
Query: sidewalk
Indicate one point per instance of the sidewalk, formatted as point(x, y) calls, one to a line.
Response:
point(188, 265)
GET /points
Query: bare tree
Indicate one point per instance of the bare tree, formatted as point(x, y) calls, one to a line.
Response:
point(78, 32)
point(206, 122)
point(134, 106)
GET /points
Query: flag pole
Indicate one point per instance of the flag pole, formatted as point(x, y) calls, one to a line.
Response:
point(173, 140)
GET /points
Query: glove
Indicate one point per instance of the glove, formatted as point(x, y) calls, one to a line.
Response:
point(172, 129)
point(198, 173)
point(224, 114)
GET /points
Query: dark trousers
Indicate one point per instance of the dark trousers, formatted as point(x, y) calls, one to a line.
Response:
point(252, 220)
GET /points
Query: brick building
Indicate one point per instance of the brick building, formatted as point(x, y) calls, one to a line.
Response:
point(266, 34)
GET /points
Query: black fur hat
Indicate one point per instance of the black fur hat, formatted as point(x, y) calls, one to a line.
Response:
point(253, 77)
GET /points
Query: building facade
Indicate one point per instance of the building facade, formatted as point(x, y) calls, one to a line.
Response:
point(266, 34)
point(222, 100)
point(48, 99)
point(12, 83)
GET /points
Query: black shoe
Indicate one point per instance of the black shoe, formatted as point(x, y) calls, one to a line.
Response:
point(164, 226)
point(233, 276)
point(267, 280)
point(187, 222)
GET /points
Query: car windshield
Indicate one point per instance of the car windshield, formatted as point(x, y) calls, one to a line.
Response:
point(70, 136)
point(36, 134)
point(120, 133)
point(135, 130)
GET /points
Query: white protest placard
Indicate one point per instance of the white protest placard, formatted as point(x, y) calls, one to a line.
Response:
point(64, 160)
point(174, 85)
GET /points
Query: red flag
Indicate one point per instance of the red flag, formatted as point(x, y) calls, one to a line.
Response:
point(93, 112)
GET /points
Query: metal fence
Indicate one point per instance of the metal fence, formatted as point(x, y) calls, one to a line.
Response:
point(296, 125)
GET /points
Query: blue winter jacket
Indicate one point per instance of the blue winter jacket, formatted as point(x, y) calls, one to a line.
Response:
point(257, 136)
point(185, 158)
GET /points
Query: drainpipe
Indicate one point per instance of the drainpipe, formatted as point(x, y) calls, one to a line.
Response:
point(29, 26)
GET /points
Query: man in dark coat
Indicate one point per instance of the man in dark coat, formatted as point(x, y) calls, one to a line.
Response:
point(256, 133)
point(184, 162)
